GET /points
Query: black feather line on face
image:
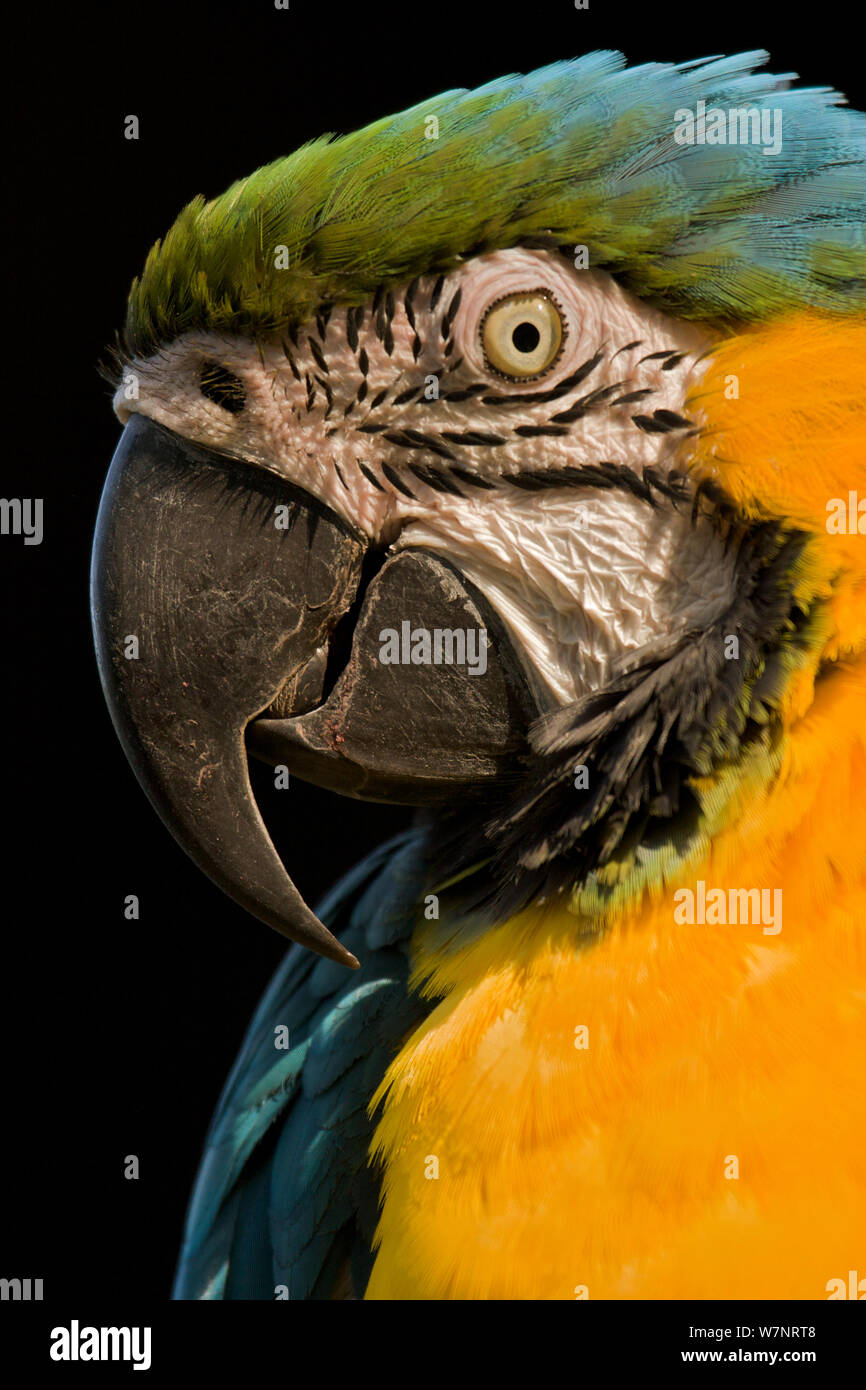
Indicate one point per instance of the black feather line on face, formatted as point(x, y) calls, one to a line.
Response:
point(396, 481)
point(472, 479)
point(318, 355)
point(436, 292)
point(409, 301)
point(407, 395)
point(433, 478)
point(287, 353)
point(554, 393)
point(675, 711)
point(329, 396)
point(370, 476)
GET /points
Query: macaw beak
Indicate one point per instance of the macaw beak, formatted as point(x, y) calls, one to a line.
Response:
point(217, 589)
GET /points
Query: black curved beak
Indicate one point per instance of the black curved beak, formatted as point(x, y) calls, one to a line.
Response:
point(216, 589)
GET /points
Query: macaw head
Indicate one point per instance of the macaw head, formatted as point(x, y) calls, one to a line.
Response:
point(480, 460)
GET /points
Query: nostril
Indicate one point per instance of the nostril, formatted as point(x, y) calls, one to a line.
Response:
point(222, 387)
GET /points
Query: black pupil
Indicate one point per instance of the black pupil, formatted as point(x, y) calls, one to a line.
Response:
point(526, 337)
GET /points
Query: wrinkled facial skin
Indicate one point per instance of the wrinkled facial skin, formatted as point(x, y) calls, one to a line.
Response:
point(392, 415)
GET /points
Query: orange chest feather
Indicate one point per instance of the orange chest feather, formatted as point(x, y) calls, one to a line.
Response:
point(669, 1110)
point(651, 1118)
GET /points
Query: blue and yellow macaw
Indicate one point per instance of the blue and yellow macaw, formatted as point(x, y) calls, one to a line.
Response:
point(507, 459)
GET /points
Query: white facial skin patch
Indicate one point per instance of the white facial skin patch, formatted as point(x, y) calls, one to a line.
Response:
point(401, 416)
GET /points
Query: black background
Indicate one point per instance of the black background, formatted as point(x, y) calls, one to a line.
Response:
point(117, 1035)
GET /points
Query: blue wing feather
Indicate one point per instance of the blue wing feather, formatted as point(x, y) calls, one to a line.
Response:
point(284, 1193)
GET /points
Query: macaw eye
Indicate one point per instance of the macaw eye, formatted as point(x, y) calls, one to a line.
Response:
point(522, 334)
point(222, 387)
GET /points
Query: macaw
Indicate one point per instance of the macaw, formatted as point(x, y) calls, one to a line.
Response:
point(506, 459)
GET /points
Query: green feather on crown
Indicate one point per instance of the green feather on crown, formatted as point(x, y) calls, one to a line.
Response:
point(580, 153)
